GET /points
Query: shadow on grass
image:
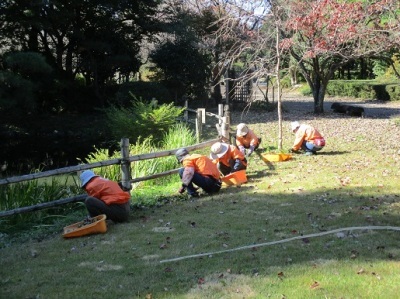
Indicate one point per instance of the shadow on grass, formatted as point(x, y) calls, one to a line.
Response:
point(332, 153)
point(213, 225)
point(323, 153)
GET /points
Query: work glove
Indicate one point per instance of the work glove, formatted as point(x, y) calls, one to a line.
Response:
point(181, 190)
point(241, 148)
point(251, 150)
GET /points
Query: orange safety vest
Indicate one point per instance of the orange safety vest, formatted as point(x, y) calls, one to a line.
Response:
point(249, 139)
point(307, 133)
point(202, 165)
point(233, 153)
point(108, 191)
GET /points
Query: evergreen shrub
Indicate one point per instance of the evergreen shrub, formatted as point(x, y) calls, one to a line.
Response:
point(394, 91)
point(364, 89)
point(141, 120)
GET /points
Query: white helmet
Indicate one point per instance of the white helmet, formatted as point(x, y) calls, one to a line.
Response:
point(294, 125)
point(218, 149)
point(242, 130)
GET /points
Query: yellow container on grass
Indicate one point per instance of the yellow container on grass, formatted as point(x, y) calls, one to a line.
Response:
point(270, 157)
point(235, 178)
point(97, 225)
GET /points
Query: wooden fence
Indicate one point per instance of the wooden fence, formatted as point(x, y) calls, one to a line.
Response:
point(125, 162)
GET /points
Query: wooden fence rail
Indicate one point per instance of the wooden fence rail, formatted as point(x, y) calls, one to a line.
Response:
point(95, 165)
point(125, 162)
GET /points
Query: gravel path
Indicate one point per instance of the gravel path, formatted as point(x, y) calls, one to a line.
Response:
point(297, 107)
point(373, 109)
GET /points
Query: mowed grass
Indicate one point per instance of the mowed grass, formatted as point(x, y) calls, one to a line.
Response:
point(223, 245)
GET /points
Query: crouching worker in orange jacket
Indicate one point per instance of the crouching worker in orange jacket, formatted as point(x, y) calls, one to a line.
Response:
point(307, 138)
point(105, 197)
point(197, 170)
point(246, 139)
point(228, 158)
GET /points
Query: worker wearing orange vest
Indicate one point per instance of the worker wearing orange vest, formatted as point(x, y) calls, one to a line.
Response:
point(307, 138)
point(105, 197)
point(198, 170)
point(246, 139)
point(228, 158)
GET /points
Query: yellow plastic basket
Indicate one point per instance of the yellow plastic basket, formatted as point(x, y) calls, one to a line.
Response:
point(98, 225)
point(235, 178)
point(270, 157)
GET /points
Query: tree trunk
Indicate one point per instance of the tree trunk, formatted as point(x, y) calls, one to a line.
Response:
point(278, 82)
point(319, 96)
point(216, 94)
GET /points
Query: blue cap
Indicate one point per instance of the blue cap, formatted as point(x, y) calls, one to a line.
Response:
point(86, 176)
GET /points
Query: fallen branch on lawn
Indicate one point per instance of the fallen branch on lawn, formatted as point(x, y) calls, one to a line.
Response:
point(284, 241)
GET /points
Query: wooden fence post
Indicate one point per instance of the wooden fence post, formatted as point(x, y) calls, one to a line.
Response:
point(125, 165)
point(220, 113)
point(225, 127)
point(199, 124)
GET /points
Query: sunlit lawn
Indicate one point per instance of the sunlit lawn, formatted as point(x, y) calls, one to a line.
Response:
point(257, 241)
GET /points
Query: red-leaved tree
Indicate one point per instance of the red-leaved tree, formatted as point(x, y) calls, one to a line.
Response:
point(324, 35)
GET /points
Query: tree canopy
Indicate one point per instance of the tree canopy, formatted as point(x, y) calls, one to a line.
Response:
point(321, 36)
point(97, 39)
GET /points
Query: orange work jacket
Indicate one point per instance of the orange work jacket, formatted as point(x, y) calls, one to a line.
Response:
point(249, 139)
point(108, 191)
point(202, 165)
point(307, 133)
point(233, 153)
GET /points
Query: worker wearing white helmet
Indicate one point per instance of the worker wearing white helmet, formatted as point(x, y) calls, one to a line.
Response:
point(246, 139)
point(307, 138)
point(227, 157)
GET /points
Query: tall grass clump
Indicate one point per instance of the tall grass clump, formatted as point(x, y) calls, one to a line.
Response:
point(111, 172)
point(146, 192)
point(35, 192)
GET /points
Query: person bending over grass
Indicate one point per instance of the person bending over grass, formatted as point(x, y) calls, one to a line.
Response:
point(105, 197)
point(197, 170)
point(307, 138)
point(246, 139)
point(228, 158)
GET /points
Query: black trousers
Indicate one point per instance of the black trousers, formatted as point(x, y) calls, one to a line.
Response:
point(114, 212)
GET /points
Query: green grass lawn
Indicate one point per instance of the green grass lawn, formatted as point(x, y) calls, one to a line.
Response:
point(226, 241)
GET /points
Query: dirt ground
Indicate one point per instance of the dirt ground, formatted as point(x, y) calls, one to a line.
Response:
point(381, 121)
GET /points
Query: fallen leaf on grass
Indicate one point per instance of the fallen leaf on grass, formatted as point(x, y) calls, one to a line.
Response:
point(314, 285)
point(376, 275)
point(361, 271)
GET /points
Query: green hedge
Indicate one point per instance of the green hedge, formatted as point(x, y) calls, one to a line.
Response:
point(364, 89)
